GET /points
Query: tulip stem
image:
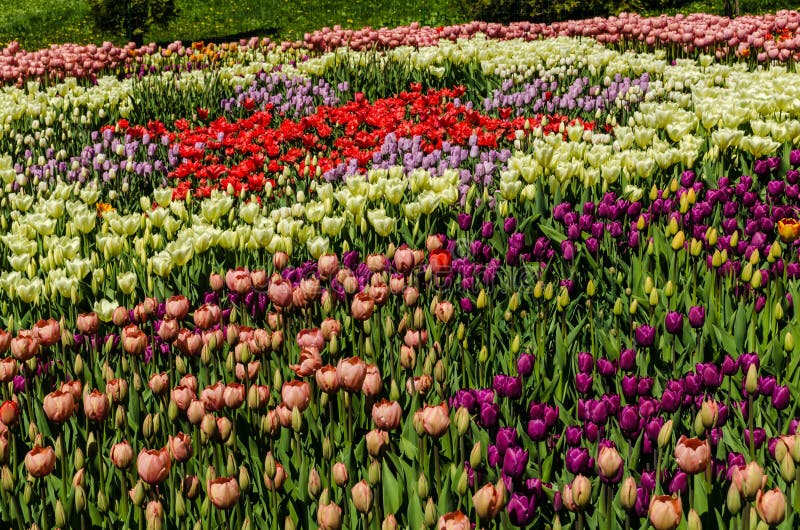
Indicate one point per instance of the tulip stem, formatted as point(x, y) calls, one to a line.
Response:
point(436, 470)
point(750, 412)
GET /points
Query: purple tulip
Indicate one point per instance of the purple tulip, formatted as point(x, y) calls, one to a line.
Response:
point(493, 456)
point(653, 428)
point(679, 483)
point(697, 316)
point(645, 386)
point(781, 397)
point(766, 385)
point(488, 414)
point(642, 502)
point(629, 386)
point(645, 335)
point(568, 250)
point(585, 362)
point(648, 480)
point(464, 221)
point(573, 435)
point(629, 420)
point(606, 368)
point(627, 359)
point(578, 460)
point(505, 438)
point(583, 382)
point(670, 401)
point(759, 436)
point(537, 430)
point(521, 509)
point(514, 461)
point(508, 386)
point(487, 229)
point(525, 364)
point(673, 322)
point(729, 366)
point(509, 225)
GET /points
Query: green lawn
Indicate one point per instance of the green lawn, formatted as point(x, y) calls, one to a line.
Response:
point(38, 23)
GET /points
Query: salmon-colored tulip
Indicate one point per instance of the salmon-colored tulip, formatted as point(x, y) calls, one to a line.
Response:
point(180, 446)
point(387, 414)
point(234, 395)
point(213, 397)
point(276, 483)
point(238, 280)
point(73, 388)
point(771, 506)
point(327, 379)
point(58, 406)
point(87, 323)
point(435, 419)
point(258, 279)
point(223, 492)
point(404, 259)
point(159, 383)
point(692, 454)
point(47, 331)
point(96, 405)
point(350, 373)
point(8, 369)
point(177, 307)
point(296, 394)
point(361, 494)
point(489, 500)
point(24, 346)
point(329, 516)
point(311, 338)
point(122, 454)
point(153, 465)
point(454, 521)
point(327, 266)
point(376, 441)
point(362, 306)
point(134, 340)
point(40, 461)
point(609, 463)
point(310, 362)
point(9, 412)
point(117, 390)
point(182, 396)
point(665, 512)
point(280, 291)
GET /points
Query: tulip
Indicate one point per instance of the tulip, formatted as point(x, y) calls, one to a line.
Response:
point(310, 362)
point(609, 464)
point(362, 306)
point(121, 454)
point(58, 406)
point(489, 500)
point(296, 394)
point(771, 506)
point(24, 346)
point(327, 266)
point(435, 420)
point(788, 230)
point(180, 446)
point(177, 307)
point(87, 323)
point(404, 259)
point(386, 414)
point(233, 395)
point(327, 379)
point(440, 261)
point(361, 494)
point(117, 390)
point(134, 340)
point(153, 465)
point(329, 516)
point(339, 473)
point(207, 315)
point(238, 280)
point(748, 479)
point(158, 383)
point(47, 331)
point(697, 316)
point(350, 373)
point(213, 397)
point(372, 384)
point(223, 492)
point(275, 483)
point(280, 291)
point(692, 455)
point(453, 521)
point(96, 405)
point(376, 441)
point(40, 461)
point(665, 512)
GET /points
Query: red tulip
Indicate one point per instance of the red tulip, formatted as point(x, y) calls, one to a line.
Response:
point(9, 412)
point(440, 261)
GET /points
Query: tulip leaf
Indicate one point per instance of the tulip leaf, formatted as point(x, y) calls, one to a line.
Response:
point(552, 233)
point(740, 323)
point(725, 339)
point(392, 494)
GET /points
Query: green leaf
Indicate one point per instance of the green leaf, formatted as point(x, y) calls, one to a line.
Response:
point(392, 495)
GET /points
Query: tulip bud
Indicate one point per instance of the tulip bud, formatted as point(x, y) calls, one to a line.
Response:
point(788, 468)
point(289, 524)
point(627, 494)
point(61, 516)
point(6, 479)
point(27, 493)
point(374, 472)
point(180, 506)
point(653, 298)
point(430, 513)
point(693, 521)
point(751, 382)
point(734, 500)
point(270, 467)
point(277, 379)
point(120, 420)
point(788, 342)
point(678, 241)
point(80, 498)
point(390, 523)
point(481, 302)
point(297, 420)
point(669, 289)
point(102, 501)
point(91, 445)
point(78, 365)
point(756, 280)
point(665, 434)
point(483, 355)
point(699, 427)
point(778, 312)
point(476, 455)
point(581, 491)
point(422, 486)
point(538, 289)
point(327, 448)
point(634, 307)
point(463, 484)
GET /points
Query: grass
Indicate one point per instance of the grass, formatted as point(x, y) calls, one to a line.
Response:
point(38, 23)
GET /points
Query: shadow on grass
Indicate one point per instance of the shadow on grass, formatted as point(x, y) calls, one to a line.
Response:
point(270, 32)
